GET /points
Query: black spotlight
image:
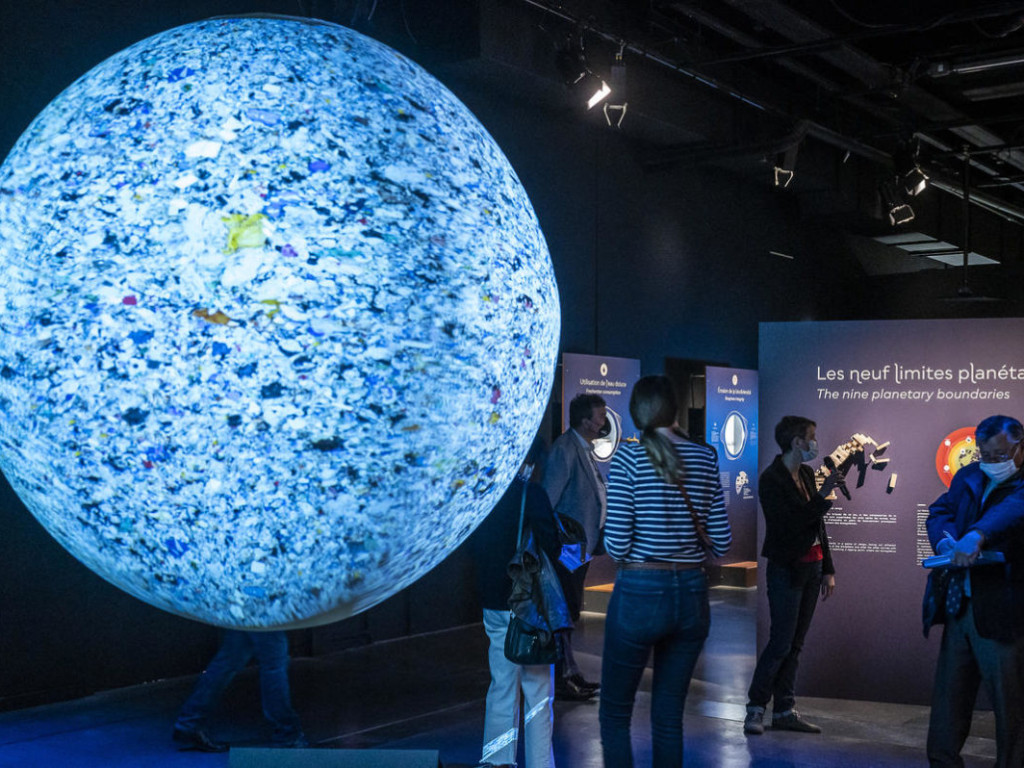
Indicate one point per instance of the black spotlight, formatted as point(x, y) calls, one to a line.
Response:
point(894, 205)
point(906, 163)
point(914, 181)
point(785, 166)
point(575, 71)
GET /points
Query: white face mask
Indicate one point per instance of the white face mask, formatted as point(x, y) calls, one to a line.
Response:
point(811, 452)
point(999, 471)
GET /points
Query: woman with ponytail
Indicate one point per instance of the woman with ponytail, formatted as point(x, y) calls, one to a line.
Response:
point(666, 515)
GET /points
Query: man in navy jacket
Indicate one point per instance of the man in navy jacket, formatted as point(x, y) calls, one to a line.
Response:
point(983, 638)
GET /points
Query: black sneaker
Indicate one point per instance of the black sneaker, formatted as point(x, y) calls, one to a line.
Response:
point(567, 690)
point(754, 722)
point(586, 685)
point(196, 740)
point(791, 721)
point(295, 742)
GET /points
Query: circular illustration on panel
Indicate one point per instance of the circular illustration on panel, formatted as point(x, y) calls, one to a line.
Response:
point(957, 450)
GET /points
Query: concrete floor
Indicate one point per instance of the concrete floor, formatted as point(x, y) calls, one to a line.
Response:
point(427, 693)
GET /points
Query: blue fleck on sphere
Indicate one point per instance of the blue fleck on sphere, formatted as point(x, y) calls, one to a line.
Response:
point(277, 321)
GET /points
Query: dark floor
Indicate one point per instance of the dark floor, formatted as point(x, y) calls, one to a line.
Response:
point(428, 693)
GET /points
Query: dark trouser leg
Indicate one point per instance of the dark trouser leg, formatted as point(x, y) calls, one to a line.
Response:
point(956, 687)
point(572, 587)
point(271, 649)
point(784, 691)
point(792, 596)
point(234, 653)
point(1002, 671)
point(675, 658)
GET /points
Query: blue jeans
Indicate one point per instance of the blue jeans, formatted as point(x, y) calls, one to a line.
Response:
point(236, 649)
point(792, 596)
point(666, 611)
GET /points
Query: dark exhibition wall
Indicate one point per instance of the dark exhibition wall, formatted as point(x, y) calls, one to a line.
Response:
point(654, 260)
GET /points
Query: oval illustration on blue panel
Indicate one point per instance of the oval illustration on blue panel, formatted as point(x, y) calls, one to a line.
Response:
point(734, 435)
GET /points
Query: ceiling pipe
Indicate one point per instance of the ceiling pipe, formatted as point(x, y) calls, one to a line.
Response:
point(943, 68)
point(975, 151)
point(705, 19)
point(829, 43)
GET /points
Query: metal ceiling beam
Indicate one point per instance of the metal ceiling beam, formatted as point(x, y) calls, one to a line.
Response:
point(979, 198)
point(705, 19)
point(830, 42)
point(697, 154)
point(787, 22)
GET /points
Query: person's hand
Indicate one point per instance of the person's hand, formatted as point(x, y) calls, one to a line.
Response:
point(828, 586)
point(945, 545)
point(966, 551)
point(834, 478)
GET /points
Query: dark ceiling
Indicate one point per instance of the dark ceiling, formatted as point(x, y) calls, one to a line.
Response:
point(949, 75)
point(878, 85)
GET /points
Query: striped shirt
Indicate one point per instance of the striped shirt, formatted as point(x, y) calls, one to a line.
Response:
point(648, 518)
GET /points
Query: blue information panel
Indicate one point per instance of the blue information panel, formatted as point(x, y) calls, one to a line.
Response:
point(612, 378)
point(731, 428)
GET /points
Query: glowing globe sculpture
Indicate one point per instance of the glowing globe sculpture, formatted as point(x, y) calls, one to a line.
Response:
point(277, 321)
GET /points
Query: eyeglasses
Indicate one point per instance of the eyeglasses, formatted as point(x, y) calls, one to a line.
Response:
point(989, 459)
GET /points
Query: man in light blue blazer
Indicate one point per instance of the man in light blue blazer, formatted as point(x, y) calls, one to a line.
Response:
point(576, 489)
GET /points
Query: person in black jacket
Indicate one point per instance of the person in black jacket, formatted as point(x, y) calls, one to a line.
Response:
point(799, 567)
point(494, 544)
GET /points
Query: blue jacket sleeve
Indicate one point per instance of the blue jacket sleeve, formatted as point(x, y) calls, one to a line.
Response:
point(1004, 517)
point(942, 513)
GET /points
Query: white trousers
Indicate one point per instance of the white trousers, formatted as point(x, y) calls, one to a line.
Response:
point(501, 723)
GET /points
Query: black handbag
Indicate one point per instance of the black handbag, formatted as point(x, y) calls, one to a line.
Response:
point(524, 644)
point(537, 606)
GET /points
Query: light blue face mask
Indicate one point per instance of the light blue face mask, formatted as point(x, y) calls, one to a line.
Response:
point(811, 452)
point(1000, 470)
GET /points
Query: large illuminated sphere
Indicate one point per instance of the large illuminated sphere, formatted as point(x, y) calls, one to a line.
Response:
point(277, 321)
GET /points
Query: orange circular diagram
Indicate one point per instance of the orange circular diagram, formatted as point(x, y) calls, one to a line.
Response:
point(956, 451)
